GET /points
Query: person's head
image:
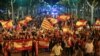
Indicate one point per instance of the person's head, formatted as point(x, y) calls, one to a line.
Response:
point(89, 40)
point(57, 43)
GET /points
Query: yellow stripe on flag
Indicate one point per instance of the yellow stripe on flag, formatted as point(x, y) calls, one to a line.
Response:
point(46, 24)
point(7, 24)
point(53, 21)
point(3, 23)
point(97, 22)
point(81, 23)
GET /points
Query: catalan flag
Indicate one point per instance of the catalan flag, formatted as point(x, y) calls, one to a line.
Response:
point(46, 24)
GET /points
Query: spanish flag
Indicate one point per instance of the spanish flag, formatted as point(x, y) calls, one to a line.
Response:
point(10, 24)
point(3, 23)
point(22, 22)
point(46, 24)
point(7, 24)
point(63, 17)
point(53, 20)
point(97, 22)
point(81, 23)
point(28, 18)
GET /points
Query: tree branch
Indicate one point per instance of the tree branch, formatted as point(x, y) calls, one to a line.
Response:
point(88, 3)
point(74, 4)
point(93, 2)
point(96, 4)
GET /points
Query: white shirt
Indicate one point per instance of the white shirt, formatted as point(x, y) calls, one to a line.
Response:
point(89, 47)
point(57, 50)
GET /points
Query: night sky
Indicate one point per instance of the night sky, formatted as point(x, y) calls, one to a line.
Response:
point(51, 1)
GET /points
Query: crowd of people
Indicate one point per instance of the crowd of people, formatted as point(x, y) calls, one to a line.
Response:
point(84, 42)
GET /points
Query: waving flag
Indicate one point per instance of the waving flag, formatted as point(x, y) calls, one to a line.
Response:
point(65, 29)
point(53, 20)
point(81, 23)
point(7, 24)
point(28, 18)
point(3, 23)
point(63, 17)
point(97, 22)
point(22, 22)
point(46, 24)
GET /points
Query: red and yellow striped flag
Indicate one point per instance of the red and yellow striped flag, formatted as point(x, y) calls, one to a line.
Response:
point(81, 23)
point(7, 24)
point(64, 17)
point(22, 22)
point(46, 25)
point(3, 23)
point(28, 18)
point(53, 20)
point(97, 22)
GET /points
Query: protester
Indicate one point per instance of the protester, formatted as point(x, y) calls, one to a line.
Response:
point(89, 48)
point(68, 46)
point(57, 49)
point(59, 40)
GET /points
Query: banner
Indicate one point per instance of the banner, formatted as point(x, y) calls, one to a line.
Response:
point(20, 45)
point(43, 44)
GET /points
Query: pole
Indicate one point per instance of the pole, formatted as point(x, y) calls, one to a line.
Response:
point(12, 1)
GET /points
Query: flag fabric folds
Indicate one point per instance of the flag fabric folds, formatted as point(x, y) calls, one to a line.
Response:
point(81, 23)
point(63, 17)
point(46, 24)
point(53, 20)
point(22, 22)
point(97, 22)
point(28, 18)
point(7, 24)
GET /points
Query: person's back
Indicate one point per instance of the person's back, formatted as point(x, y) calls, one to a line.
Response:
point(57, 49)
point(89, 48)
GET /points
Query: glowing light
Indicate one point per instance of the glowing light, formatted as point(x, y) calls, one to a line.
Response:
point(54, 10)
